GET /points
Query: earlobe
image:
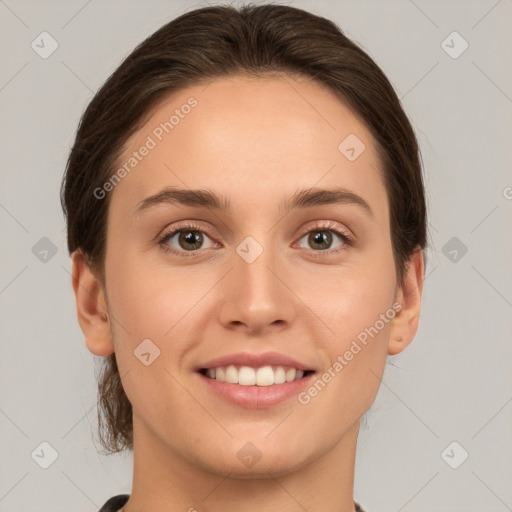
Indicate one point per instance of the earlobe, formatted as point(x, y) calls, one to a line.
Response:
point(91, 307)
point(405, 324)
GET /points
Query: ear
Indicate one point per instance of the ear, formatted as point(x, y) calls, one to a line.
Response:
point(91, 307)
point(405, 323)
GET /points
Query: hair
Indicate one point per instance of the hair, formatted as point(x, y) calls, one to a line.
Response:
point(223, 41)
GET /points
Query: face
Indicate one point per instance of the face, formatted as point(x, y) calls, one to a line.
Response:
point(259, 286)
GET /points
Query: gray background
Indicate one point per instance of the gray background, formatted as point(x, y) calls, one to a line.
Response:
point(454, 383)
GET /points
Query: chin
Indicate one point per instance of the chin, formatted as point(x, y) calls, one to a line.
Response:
point(248, 462)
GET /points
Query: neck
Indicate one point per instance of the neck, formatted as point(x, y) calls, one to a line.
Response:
point(163, 480)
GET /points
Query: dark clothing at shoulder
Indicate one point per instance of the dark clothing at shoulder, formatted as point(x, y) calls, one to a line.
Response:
point(116, 502)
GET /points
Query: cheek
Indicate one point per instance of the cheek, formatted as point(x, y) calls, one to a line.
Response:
point(147, 303)
point(168, 305)
point(358, 307)
point(355, 354)
point(357, 297)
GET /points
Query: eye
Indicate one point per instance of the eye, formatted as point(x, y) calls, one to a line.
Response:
point(184, 239)
point(188, 239)
point(322, 237)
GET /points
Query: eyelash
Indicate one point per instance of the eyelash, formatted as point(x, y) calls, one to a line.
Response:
point(190, 226)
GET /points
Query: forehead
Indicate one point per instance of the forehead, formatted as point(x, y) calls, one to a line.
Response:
point(246, 136)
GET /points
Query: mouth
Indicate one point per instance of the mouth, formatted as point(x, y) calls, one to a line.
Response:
point(268, 375)
point(254, 380)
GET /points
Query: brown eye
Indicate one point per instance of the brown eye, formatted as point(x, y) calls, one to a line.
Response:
point(321, 240)
point(185, 239)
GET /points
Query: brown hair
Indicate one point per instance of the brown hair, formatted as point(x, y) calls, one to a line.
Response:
point(222, 41)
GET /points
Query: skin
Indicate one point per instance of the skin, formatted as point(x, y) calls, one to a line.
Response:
point(255, 141)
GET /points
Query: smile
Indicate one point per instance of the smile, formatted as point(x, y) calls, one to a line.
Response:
point(250, 376)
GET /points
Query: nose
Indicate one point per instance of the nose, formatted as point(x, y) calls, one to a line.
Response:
point(256, 297)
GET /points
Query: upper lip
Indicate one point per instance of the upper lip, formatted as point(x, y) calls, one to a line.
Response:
point(255, 360)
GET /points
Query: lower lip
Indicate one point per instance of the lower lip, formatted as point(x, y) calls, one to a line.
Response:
point(256, 397)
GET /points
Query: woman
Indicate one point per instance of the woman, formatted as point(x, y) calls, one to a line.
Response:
point(247, 224)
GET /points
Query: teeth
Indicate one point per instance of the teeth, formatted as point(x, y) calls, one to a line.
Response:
point(248, 376)
point(279, 375)
point(231, 374)
point(290, 374)
point(220, 374)
point(265, 376)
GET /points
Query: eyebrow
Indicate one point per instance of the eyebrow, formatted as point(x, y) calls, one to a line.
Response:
point(305, 198)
